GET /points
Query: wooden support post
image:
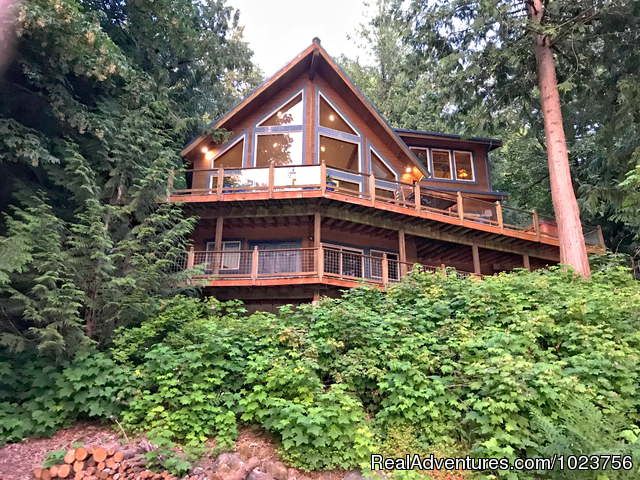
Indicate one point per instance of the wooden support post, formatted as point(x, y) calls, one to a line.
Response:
point(402, 250)
point(323, 177)
point(316, 296)
point(416, 195)
point(460, 207)
point(476, 259)
point(536, 224)
point(170, 183)
point(372, 188)
point(220, 183)
point(217, 256)
point(190, 258)
point(526, 262)
point(385, 269)
point(601, 243)
point(272, 176)
point(443, 269)
point(499, 216)
point(254, 264)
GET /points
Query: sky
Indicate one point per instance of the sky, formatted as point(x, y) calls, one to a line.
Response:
point(277, 30)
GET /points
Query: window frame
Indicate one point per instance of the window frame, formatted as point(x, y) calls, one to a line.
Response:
point(473, 167)
point(373, 151)
point(273, 112)
point(213, 243)
point(229, 146)
point(255, 145)
point(433, 170)
point(339, 112)
point(280, 129)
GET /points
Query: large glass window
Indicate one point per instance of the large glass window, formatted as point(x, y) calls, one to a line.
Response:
point(331, 119)
point(464, 166)
point(231, 261)
point(441, 163)
point(232, 158)
point(282, 148)
point(380, 169)
point(290, 113)
point(339, 154)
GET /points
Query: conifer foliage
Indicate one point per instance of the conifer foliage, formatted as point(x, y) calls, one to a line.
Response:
point(96, 101)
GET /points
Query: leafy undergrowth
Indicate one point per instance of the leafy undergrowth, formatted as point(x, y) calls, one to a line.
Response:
point(516, 365)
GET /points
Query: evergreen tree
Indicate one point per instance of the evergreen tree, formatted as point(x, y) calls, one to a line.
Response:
point(95, 105)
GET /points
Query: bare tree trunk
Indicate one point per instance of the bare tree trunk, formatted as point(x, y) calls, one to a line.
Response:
point(573, 251)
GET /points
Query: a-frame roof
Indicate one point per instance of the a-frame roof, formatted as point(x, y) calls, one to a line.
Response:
point(311, 60)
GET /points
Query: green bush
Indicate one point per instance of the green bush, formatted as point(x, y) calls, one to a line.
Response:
point(436, 364)
point(38, 398)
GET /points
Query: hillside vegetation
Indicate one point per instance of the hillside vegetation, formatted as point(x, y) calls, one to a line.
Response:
point(521, 364)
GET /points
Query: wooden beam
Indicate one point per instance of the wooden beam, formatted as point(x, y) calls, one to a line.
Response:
point(526, 263)
point(317, 230)
point(315, 59)
point(218, 234)
point(402, 251)
point(476, 259)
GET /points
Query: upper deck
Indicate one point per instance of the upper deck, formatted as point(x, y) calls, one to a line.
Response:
point(462, 210)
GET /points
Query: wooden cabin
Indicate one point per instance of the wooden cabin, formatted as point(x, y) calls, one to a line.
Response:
point(313, 192)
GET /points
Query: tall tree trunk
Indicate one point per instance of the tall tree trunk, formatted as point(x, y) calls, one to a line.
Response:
point(573, 251)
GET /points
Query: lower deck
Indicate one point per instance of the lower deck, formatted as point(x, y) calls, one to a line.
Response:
point(311, 254)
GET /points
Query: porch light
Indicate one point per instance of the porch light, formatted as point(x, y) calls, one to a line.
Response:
point(322, 148)
point(408, 170)
point(332, 117)
point(204, 149)
point(209, 155)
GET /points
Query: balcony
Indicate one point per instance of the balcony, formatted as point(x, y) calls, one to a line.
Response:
point(326, 265)
point(320, 181)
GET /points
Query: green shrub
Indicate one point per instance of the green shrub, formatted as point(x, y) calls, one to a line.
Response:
point(38, 398)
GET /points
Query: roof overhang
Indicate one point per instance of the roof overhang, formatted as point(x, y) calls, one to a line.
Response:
point(491, 143)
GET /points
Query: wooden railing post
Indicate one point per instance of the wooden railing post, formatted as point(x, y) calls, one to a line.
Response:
point(499, 216)
point(272, 176)
point(536, 224)
point(416, 195)
point(220, 183)
point(190, 258)
point(385, 269)
point(254, 264)
point(443, 269)
point(402, 254)
point(170, 184)
point(323, 177)
point(372, 188)
point(460, 207)
point(601, 238)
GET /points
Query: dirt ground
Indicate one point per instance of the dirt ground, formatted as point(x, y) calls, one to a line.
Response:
point(18, 460)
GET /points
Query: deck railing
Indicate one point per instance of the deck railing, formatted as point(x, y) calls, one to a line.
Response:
point(242, 183)
point(316, 262)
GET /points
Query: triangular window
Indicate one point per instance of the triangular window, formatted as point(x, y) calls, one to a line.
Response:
point(379, 169)
point(291, 113)
point(329, 118)
point(232, 158)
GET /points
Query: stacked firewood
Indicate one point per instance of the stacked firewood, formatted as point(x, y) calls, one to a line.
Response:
point(98, 463)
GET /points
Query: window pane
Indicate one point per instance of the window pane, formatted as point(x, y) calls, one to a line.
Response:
point(232, 158)
point(339, 154)
point(379, 169)
point(230, 261)
point(331, 119)
point(421, 153)
point(464, 170)
point(282, 148)
point(441, 165)
point(289, 114)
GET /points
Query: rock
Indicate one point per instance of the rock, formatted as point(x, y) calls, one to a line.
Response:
point(277, 470)
point(231, 461)
point(257, 474)
point(353, 475)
